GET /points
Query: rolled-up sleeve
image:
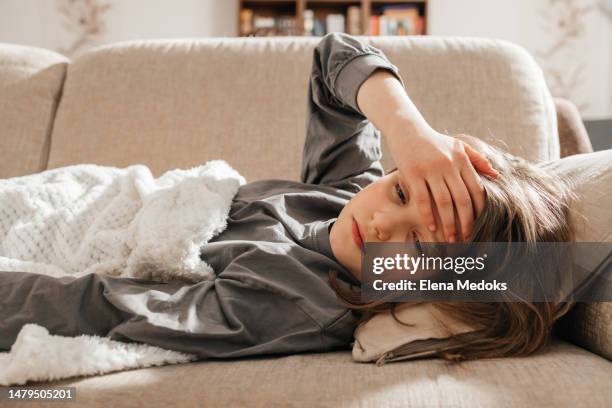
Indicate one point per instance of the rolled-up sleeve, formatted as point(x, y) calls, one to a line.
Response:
point(342, 147)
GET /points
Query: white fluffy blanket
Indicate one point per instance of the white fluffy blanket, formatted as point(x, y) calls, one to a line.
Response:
point(86, 218)
point(123, 222)
point(40, 356)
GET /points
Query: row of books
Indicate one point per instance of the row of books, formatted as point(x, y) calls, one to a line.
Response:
point(394, 20)
point(333, 22)
point(398, 20)
point(383, 25)
point(255, 25)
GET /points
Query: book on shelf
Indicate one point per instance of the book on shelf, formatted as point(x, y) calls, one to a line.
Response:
point(335, 23)
point(269, 26)
point(263, 25)
point(405, 19)
point(398, 19)
point(313, 26)
point(319, 27)
point(353, 17)
point(309, 22)
point(374, 25)
point(285, 25)
point(246, 21)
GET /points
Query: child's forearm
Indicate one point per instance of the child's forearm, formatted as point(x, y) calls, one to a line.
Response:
point(383, 100)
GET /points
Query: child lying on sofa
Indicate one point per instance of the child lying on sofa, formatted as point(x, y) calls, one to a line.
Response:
point(272, 292)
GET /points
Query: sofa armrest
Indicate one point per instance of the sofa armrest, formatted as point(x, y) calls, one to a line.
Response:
point(573, 136)
point(589, 325)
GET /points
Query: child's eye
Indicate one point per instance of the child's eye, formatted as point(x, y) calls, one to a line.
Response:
point(400, 193)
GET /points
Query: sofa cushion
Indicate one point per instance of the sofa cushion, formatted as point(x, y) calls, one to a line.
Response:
point(549, 378)
point(591, 174)
point(590, 324)
point(30, 86)
point(179, 103)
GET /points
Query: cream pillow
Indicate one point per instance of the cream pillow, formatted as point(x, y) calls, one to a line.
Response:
point(381, 339)
point(31, 81)
point(590, 324)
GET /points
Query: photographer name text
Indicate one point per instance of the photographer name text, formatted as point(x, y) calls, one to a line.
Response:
point(429, 285)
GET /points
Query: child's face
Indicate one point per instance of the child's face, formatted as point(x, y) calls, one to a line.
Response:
point(382, 214)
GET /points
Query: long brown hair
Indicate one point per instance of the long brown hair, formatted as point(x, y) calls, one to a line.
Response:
point(525, 203)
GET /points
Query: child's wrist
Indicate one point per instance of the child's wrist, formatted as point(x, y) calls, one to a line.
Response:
point(402, 126)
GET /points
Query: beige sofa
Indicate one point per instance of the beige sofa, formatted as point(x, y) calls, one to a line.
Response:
point(172, 104)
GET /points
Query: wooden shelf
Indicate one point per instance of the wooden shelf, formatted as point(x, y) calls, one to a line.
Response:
point(286, 17)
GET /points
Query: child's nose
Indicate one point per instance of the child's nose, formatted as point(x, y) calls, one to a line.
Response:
point(385, 226)
point(382, 236)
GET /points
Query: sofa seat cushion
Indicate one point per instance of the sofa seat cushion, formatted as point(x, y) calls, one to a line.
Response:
point(549, 378)
point(31, 81)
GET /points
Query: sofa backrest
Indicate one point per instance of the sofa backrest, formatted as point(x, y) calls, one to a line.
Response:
point(31, 81)
point(180, 103)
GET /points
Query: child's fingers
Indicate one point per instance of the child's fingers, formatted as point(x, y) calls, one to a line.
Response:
point(421, 197)
point(474, 185)
point(444, 203)
point(480, 162)
point(463, 203)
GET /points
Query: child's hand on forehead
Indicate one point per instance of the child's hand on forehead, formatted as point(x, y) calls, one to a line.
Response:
point(441, 173)
point(429, 161)
point(438, 234)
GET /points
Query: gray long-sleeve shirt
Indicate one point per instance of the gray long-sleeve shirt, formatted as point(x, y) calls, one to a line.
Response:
point(271, 293)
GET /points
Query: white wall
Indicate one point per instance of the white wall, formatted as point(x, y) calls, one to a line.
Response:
point(37, 22)
point(479, 18)
point(522, 22)
point(173, 19)
point(21, 22)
